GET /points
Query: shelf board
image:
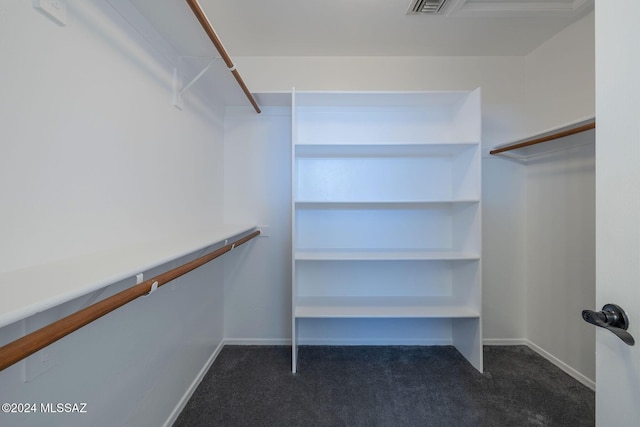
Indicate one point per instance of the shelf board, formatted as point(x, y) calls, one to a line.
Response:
point(374, 144)
point(564, 137)
point(345, 149)
point(379, 99)
point(366, 204)
point(383, 255)
point(31, 290)
point(383, 307)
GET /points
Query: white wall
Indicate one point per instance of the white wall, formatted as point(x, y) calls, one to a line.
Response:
point(257, 181)
point(560, 78)
point(560, 249)
point(91, 142)
point(560, 201)
point(503, 256)
point(94, 156)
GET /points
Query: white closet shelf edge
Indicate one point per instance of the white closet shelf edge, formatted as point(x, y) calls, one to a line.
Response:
point(390, 143)
point(383, 307)
point(31, 290)
point(383, 255)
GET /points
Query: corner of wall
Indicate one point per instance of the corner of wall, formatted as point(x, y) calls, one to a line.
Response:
point(559, 78)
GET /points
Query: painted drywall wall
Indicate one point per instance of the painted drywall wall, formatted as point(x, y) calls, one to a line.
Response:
point(560, 249)
point(503, 213)
point(560, 200)
point(94, 156)
point(89, 150)
point(262, 312)
point(560, 78)
point(257, 182)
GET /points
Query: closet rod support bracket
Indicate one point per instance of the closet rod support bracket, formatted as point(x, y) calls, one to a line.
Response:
point(152, 289)
point(179, 89)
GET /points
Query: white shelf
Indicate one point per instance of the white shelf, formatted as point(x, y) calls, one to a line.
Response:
point(387, 172)
point(28, 291)
point(451, 228)
point(379, 119)
point(383, 307)
point(558, 140)
point(379, 99)
point(383, 255)
point(382, 149)
point(379, 204)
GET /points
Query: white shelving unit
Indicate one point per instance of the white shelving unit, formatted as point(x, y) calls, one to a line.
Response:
point(386, 210)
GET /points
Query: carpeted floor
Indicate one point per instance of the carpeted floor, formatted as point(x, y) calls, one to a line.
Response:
point(386, 386)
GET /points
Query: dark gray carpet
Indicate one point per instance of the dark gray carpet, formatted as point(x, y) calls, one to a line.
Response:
point(386, 386)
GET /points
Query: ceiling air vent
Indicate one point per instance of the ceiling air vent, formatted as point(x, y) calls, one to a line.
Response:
point(430, 7)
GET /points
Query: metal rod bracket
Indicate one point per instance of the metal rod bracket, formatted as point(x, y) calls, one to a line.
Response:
point(179, 89)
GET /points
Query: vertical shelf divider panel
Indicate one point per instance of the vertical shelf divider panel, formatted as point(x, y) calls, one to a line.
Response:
point(294, 195)
point(386, 202)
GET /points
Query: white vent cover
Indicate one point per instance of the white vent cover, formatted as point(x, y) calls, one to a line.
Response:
point(430, 7)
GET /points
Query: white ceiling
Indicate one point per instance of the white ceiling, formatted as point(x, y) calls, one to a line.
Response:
point(366, 27)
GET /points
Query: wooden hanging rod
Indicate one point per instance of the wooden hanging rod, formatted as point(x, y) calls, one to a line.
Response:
point(37, 340)
point(208, 28)
point(561, 134)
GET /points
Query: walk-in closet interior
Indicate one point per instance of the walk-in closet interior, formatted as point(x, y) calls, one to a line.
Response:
point(180, 176)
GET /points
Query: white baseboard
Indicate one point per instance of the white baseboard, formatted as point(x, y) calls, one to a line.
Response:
point(192, 388)
point(257, 341)
point(560, 364)
point(550, 357)
point(505, 341)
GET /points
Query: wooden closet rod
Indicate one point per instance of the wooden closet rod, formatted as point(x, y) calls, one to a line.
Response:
point(37, 340)
point(546, 138)
point(208, 28)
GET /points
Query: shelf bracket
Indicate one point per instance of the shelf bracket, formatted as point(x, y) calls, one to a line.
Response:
point(56, 10)
point(179, 89)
